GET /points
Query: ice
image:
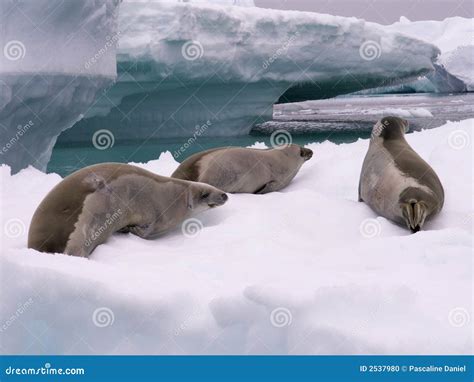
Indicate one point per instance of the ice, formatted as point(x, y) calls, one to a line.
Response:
point(415, 112)
point(56, 56)
point(453, 36)
point(308, 270)
point(182, 64)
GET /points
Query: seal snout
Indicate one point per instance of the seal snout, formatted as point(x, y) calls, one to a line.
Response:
point(305, 153)
point(218, 200)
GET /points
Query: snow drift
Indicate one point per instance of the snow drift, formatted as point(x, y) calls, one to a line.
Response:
point(308, 270)
point(56, 56)
point(181, 64)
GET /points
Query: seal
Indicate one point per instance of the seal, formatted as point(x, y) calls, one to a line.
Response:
point(86, 207)
point(245, 170)
point(395, 181)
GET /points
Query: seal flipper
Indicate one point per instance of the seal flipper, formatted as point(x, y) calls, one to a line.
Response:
point(145, 231)
point(414, 214)
point(360, 197)
point(267, 187)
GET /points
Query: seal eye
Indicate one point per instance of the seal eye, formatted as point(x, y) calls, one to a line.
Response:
point(205, 195)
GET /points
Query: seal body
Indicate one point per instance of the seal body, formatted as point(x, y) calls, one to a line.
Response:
point(395, 181)
point(86, 207)
point(238, 169)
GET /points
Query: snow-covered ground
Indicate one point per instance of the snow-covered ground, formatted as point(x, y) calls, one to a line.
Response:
point(305, 270)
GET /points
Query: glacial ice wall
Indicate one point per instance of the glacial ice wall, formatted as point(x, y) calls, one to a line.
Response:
point(185, 64)
point(55, 57)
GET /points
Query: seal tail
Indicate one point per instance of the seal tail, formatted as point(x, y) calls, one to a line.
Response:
point(415, 214)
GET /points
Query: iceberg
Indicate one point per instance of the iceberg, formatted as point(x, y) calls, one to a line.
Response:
point(55, 57)
point(454, 67)
point(182, 65)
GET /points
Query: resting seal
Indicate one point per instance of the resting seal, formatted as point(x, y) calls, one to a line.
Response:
point(86, 207)
point(395, 181)
point(238, 169)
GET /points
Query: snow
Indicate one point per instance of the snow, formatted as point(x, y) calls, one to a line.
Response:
point(182, 64)
point(453, 36)
point(56, 56)
point(308, 270)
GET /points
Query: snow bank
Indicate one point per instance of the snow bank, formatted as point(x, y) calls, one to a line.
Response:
point(308, 270)
point(182, 64)
point(56, 56)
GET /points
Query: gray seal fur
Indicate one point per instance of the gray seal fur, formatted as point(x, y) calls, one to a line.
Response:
point(246, 170)
point(395, 181)
point(86, 207)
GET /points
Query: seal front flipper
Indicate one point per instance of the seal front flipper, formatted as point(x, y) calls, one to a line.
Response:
point(267, 187)
point(145, 231)
point(125, 229)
